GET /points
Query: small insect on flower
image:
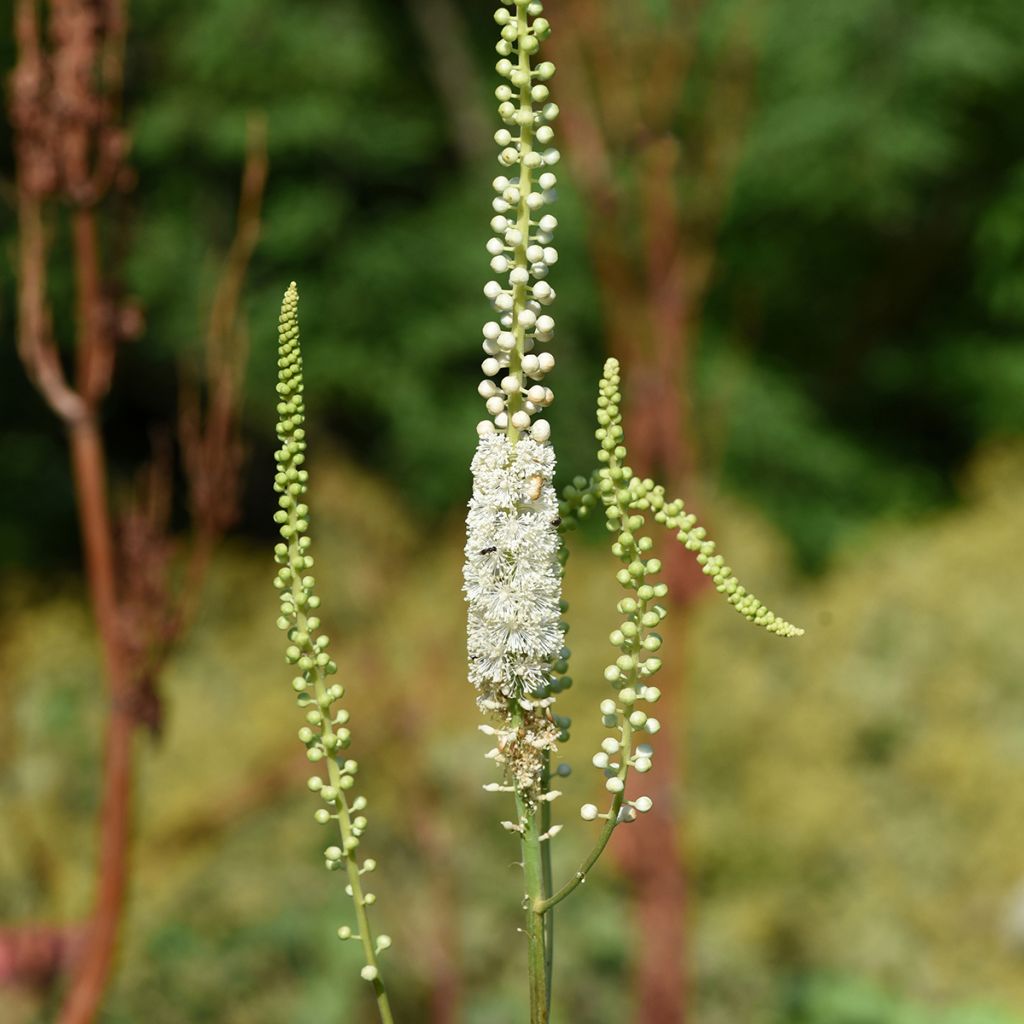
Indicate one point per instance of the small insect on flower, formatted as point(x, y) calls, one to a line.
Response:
point(488, 551)
point(536, 484)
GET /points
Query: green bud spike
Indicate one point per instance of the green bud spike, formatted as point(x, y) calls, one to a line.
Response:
point(307, 649)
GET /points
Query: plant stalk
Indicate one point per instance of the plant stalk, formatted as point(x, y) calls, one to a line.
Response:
point(533, 876)
point(340, 805)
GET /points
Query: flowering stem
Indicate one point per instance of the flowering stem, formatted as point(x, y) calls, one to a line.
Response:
point(354, 875)
point(533, 875)
point(349, 842)
point(548, 878)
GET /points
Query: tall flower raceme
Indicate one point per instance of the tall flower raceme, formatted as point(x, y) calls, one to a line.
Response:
point(325, 734)
point(514, 552)
point(512, 572)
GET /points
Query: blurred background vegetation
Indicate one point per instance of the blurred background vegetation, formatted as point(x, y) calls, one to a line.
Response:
point(852, 813)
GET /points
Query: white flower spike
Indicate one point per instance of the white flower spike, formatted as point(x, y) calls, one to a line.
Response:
point(512, 574)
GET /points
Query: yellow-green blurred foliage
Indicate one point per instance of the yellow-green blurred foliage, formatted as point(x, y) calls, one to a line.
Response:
point(853, 805)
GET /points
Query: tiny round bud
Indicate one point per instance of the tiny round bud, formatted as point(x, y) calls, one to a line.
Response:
point(369, 973)
point(541, 431)
point(643, 804)
point(588, 812)
point(615, 785)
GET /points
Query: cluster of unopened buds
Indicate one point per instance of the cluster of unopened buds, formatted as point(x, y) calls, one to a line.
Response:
point(521, 249)
point(325, 734)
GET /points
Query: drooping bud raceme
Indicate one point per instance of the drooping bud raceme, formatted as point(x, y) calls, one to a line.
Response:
point(628, 501)
point(512, 572)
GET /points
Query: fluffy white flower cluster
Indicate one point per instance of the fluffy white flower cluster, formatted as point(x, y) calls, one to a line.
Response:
point(512, 578)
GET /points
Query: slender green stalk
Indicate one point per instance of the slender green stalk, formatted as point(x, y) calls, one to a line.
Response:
point(546, 906)
point(547, 878)
point(533, 876)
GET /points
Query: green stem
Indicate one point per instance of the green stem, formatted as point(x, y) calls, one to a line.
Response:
point(545, 906)
point(533, 876)
point(355, 883)
point(349, 842)
point(547, 879)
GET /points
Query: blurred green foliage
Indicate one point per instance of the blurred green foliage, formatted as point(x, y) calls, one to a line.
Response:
point(863, 332)
point(852, 814)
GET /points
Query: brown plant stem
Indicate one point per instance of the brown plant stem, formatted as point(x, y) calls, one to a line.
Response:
point(70, 146)
point(653, 282)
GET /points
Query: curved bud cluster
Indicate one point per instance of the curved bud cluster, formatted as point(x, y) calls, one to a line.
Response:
point(512, 575)
point(521, 251)
point(325, 735)
point(627, 500)
point(641, 496)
